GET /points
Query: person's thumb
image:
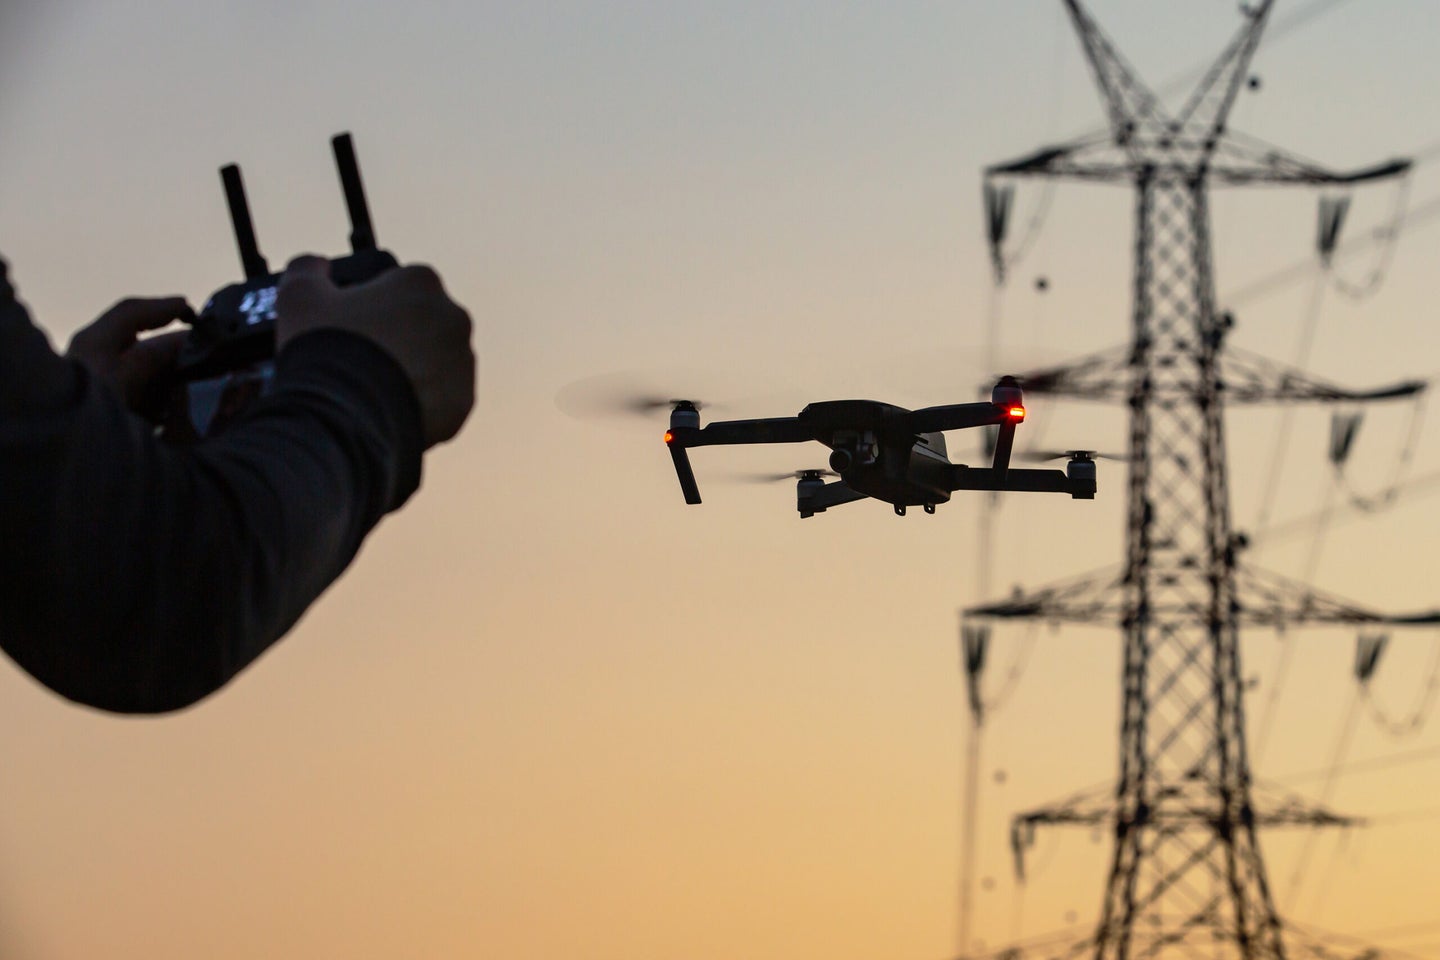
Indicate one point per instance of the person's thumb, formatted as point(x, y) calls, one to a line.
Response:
point(304, 289)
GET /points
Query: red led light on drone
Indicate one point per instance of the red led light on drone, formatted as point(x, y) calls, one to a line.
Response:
point(669, 436)
point(1016, 413)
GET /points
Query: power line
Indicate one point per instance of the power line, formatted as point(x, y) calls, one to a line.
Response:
point(1323, 937)
point(1425, 154)
point(1281, 443)
point(1421, 213)
point(1415, 721)
point(1298, 871)
point(1421, 485)
point(1408, 816)
point(1274, 33)
point(1402, 758)
point(1426, 927)
point(1363, 289)
point(1299, 18)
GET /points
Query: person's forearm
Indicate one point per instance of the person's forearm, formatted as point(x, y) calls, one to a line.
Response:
point(137, 576)
point(32, 378)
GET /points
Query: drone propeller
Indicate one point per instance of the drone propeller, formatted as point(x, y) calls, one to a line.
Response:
point(644, 406)
point(617, 395)
point(1040, 456)
point(815, 474)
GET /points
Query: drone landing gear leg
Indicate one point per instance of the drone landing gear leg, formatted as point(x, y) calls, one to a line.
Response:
point(899, 509)
point(929, 508)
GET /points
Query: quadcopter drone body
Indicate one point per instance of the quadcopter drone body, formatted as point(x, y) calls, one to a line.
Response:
point(883, 451)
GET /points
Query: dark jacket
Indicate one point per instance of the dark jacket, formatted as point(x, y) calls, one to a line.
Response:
point(139, 576)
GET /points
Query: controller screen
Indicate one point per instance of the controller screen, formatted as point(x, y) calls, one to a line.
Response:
point(257, 306)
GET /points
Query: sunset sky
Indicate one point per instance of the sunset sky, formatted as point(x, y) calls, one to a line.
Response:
point(552, 711)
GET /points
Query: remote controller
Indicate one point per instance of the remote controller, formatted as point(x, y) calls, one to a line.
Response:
point(228, 359)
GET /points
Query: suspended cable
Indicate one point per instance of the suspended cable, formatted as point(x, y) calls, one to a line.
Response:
point(1342, 746)
point(999, 199)
point(1321, 938)
point(994, 313)
point(1017, 909)
point(1281, 444)
point(969, 817)
point(1318, 536)
point(1319, 533)
point(1059, 939)
point(1427, 153)
point(1425, 212)
point(1283, 26)
point(1407, 816)
point(1405, 458)
point(1413, 722)
point(1331, 218)
point(975, 639)
point(1272, 699)
point(1033, 225)
point(1388, 242)
point(1037, 862)
point(1425, 484)
point(1016, 670)
point(1328, 875)
point(975, 644)
point(1386, 762)
point(1428, 926)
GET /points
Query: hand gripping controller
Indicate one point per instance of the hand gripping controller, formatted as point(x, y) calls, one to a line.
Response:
point(228, 360)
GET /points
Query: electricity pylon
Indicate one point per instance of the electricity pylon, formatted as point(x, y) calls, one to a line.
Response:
point(1187, 873)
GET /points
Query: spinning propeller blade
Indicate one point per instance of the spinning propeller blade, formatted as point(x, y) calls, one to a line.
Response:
point(815, 474)
point(619, 395)
point(1041, 456)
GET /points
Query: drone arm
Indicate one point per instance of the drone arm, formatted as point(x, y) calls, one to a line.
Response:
point(680, 438)
point(773, 430)
point(1021, 480)
point(954, 416)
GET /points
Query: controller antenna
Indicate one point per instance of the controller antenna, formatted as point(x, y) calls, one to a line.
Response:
point(362, 234)
point(250, 257)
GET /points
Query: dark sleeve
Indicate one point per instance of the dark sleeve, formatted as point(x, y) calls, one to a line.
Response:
point(139, 576)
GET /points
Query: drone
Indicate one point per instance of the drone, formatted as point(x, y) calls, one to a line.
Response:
point(885, 452)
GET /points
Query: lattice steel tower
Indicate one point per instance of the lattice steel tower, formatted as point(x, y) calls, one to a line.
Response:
point(1187, 872)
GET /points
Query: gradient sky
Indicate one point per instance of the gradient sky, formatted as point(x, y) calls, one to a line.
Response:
point(552, 711)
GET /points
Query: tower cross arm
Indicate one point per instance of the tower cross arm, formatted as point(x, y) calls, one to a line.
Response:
point(1208, 106)
point(1093, 158)
point(1093, 808)
point(1175, 807)
point(1242, 160)
point(1267, 599)
point(1129, 103)
point(1096, 597)
point(1104, 375)
point(1251, 378)
point(1245, 378)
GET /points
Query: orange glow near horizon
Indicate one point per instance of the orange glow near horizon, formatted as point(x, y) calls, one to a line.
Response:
point(552, 709)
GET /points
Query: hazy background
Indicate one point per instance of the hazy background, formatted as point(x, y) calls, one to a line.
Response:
point(552, 711)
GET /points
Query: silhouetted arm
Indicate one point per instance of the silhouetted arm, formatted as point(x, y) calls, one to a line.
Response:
point(138, 576)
